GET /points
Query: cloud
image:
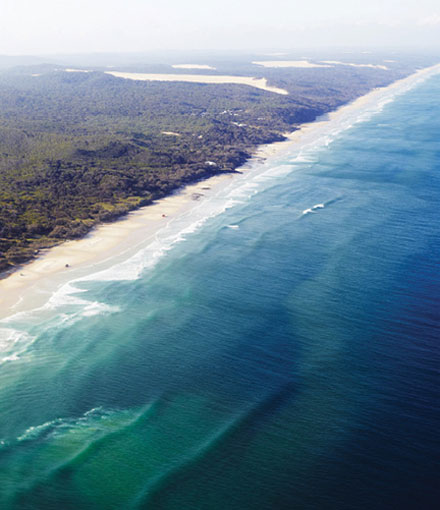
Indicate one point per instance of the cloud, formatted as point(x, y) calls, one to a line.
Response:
point(431, 21)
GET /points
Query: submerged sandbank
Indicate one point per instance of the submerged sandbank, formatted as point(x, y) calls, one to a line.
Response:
point(33, 284)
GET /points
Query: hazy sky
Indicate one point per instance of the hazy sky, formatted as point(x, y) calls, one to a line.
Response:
point(75, 26)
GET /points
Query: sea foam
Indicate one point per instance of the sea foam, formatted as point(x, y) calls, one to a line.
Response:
point(13, 343)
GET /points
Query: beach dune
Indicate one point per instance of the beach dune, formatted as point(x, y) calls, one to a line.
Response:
point(259, 83)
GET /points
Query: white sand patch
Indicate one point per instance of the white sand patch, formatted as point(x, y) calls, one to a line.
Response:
point(275, 54)
point(192, 66)
point(288, 63)
point(76, 71)
point(373, 66)
point(259, 83)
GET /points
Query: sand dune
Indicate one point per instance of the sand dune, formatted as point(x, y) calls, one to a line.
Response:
point(288, 63)
point(192, 66)
point(259, 83)
point(373, 66)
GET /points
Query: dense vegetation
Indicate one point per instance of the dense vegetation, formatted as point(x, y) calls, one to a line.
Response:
point(81, 148)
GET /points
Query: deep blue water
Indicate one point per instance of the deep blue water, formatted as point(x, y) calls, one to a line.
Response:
point(284, 355)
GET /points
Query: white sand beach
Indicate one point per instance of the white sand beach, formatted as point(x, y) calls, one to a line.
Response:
point(259, 83)
point(32, 284)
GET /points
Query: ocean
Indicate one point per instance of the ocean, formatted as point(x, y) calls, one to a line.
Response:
point(275, 348)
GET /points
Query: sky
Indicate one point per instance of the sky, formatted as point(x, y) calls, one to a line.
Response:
point(33, 27)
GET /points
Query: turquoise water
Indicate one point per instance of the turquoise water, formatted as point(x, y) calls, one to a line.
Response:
point(281, 353)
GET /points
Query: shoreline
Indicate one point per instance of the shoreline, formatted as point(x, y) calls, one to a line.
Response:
point(31, 285)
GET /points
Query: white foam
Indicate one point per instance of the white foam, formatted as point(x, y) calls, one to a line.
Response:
point(313, 209)
point(55, 425)
point(35, 431)
point(67, 295)
point(13, 343)
point(103, 418)
point(13, 357)
point(175, 232)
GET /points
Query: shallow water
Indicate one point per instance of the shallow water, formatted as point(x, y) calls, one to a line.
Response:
point(277, 349)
